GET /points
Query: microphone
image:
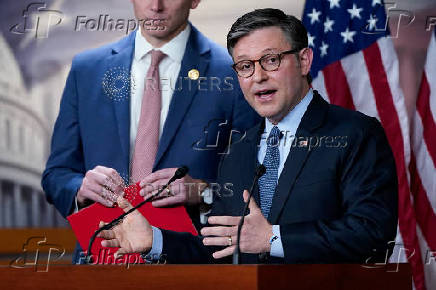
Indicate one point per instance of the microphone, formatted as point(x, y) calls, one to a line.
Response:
point(260, 170)
point(180, 172)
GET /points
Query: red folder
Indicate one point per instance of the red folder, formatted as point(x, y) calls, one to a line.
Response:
point(85, 222)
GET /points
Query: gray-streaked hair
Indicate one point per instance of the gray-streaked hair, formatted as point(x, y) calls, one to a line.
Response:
point(292, 28)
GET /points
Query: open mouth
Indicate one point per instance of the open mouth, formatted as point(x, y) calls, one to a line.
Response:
point(265, 95)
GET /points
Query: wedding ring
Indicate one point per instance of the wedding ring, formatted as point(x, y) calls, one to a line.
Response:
point(230, 242)
point(168, 191)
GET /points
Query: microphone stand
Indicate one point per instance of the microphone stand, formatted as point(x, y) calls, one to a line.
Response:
point(180, 172)
point(259, 172)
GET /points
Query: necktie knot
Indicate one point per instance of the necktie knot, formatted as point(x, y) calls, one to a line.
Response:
point(274, 137)
point(156, 57)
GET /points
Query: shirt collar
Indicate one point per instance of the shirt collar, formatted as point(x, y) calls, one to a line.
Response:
point(174, 49)
point(292, 120)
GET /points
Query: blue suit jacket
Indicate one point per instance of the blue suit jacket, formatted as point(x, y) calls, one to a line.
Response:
point(94, 118)
point(336, 198)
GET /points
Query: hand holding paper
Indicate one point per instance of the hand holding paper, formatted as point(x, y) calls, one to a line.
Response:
point(102, 185)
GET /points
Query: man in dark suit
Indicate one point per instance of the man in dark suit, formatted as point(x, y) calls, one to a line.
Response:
point(329, 194)
point(95, 135)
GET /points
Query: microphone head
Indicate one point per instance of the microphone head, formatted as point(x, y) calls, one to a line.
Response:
point(260, 170)
point(180, 172)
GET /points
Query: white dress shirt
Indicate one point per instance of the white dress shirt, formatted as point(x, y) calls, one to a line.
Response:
point(169, 69)
point(288, 127)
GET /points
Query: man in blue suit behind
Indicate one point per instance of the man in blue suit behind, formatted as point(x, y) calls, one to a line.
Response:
point(94, 135)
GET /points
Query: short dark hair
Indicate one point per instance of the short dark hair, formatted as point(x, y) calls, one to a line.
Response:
point(292, 28)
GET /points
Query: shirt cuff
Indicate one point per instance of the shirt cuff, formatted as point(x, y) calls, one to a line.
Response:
point(276, 245)
point(157, 245)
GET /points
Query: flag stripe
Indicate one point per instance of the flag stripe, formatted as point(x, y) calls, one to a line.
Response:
point(425, 215)
point(338, 94)
point(391, 124)
point(430, 70)
point(391, 67)
point(358, 82)
point(424, 164)
point(319, 85)
point(423, 107)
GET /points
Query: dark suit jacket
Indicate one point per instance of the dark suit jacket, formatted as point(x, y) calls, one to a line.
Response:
point(93, 126)
point(336, 198)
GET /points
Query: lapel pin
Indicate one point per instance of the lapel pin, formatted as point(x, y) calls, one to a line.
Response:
point(303, 143)
point(193, 74)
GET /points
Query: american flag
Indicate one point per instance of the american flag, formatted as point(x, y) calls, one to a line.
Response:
point(355, 66)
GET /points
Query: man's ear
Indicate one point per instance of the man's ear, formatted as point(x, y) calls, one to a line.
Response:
point(306, 57)
point(195, 3)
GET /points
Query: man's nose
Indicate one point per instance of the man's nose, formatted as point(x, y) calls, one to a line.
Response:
point(259, 73)
point(157, 5)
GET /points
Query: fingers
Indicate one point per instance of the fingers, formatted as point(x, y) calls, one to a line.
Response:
point(106, 234)
point(92, 195)
point(245, 195)
point(219, 231)
point(165, 174)
point(224, 253)
point(124, 204)
point(168, 201)
point(219, 241)
point(102, 185)
point(114, 243)
point(111, 179)
point(224, 220)
point(152, 188)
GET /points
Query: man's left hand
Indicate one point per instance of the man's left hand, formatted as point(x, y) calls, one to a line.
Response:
point(255, 232)
point(185, 190)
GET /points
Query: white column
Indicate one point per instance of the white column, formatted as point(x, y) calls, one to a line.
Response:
point(7, 206)
point(43, 211)
point(50, 214)
point(35, 209)
point(19, 218)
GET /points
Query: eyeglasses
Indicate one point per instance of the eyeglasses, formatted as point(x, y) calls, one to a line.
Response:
point(268, 62)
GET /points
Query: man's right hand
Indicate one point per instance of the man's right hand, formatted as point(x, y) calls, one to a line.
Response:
point(101, 184)
point(133, 235)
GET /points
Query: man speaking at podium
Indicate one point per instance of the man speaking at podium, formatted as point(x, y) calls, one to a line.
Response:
point(329, 194)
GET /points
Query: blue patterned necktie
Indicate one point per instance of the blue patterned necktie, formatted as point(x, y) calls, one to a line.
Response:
point(268, 182)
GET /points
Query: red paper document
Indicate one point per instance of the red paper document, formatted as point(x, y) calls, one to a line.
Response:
point(85, 222)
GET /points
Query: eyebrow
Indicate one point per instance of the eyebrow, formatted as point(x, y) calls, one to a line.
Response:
point(245, 57)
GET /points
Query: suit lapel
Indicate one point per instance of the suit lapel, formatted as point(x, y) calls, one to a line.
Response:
point(250, 154)
point(196, 57)
point(298, 155)
point(119, 64)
